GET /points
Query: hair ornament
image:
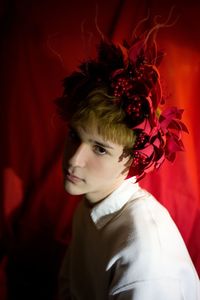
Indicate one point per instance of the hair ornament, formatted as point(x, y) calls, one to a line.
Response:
point(138, 91)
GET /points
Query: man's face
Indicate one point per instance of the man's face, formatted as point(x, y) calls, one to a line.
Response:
point(92, 166)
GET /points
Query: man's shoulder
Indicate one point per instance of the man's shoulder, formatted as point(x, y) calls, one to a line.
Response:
point(142, 214)
point(143, 232)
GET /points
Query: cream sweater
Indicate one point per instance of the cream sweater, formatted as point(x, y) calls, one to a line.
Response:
point(127, 247)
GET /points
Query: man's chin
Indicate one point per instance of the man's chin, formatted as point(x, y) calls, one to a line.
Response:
point(72, 189)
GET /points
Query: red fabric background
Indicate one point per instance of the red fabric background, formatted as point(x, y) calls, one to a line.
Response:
point(41, 42)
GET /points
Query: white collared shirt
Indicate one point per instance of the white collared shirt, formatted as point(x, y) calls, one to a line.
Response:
point(127, 247)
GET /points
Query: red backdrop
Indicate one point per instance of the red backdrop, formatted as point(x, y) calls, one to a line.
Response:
point(41, 42)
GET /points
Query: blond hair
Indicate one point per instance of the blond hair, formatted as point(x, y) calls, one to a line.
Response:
point(98, 112)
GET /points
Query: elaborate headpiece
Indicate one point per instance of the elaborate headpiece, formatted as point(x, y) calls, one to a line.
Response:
point(130, 74)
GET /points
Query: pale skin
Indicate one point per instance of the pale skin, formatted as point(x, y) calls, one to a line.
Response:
point(92, 166)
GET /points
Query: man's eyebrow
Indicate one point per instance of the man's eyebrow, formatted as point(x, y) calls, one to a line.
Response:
point(104, 145)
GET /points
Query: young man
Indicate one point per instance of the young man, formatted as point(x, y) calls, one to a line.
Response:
point(124, 243)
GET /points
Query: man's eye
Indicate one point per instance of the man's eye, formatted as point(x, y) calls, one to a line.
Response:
point(73, 135)
point(99, 150)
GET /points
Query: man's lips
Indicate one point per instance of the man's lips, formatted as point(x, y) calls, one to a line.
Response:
point(71, 177)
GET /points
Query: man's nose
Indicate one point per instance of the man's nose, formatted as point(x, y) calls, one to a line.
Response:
point(79, 157)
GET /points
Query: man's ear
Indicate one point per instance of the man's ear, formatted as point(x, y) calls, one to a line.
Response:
point(125, 153)
point(127, 165)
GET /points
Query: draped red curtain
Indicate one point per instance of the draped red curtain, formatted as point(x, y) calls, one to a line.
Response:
point(41, 42)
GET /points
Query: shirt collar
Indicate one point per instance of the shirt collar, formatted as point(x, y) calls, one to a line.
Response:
point(104, 211)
